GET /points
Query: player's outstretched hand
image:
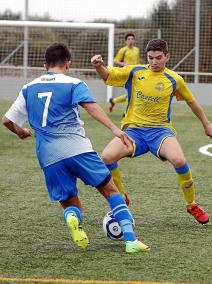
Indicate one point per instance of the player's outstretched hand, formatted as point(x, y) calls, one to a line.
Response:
point(97, 61)
point(123, 136)
point(208, 130)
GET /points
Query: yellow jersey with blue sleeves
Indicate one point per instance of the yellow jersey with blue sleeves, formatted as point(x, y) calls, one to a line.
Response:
point(131, 56)
point(149, 94)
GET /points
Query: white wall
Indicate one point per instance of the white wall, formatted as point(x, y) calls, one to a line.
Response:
point(9, 89)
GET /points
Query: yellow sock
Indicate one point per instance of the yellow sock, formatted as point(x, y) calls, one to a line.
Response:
point(116, 174)
point(187, 185)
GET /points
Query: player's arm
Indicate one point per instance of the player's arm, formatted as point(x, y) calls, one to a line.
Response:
point(139, 57)
point(198, 111)
point(19, 131)
point(186, 94)
point(113, 76)
point(15, 118)
point(118, 60)
point(100, 67)
point(120, 63)
point(98, 113)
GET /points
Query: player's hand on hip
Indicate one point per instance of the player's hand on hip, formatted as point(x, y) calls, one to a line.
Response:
point(97, 60)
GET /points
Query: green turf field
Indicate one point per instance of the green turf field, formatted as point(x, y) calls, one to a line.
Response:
point(34, 241)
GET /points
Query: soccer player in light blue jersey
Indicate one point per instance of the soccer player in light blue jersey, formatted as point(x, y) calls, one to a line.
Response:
point(50, 104)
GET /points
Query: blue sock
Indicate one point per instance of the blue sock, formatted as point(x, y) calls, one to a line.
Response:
point(182, 170)
point(122, 215)
point(73, 210)
point(112, 166)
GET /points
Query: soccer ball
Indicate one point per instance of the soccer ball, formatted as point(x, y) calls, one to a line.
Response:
point(111, 227)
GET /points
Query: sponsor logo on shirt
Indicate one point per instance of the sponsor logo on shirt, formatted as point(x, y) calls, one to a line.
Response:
point(146, 99)
point(159, 87)
point(48, 79)
point(141, 78)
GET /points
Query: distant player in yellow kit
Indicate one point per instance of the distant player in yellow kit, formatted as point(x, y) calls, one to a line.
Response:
point(151, 89)
point(129, 54)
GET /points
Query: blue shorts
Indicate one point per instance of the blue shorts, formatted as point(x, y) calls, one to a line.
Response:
point(61, 177)
point(148, 139)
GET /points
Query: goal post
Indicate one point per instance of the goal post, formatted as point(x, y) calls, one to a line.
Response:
point(23, 44)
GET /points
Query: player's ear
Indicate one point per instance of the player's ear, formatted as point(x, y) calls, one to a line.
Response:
point(67, 64)
point(167, 57)
point(46, 66)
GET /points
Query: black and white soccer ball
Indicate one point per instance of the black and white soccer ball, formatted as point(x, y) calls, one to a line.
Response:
point(111, 227)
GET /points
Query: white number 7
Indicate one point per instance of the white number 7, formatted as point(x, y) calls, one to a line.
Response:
point(46, 108)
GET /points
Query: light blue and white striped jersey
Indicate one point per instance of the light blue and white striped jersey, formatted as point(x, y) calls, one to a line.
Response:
point(50, 104)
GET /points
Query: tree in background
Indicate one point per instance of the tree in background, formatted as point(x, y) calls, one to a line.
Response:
point(9, 15)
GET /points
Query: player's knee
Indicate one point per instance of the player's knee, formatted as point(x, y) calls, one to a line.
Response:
point(108, 189)
point(179, 162)
point(106, 158)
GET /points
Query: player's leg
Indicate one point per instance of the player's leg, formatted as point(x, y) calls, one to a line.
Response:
point(92, 171)
point(73, 217)
point(113, 152)
point(123, 216)
point(172, 151)
point(116, 174)
point(62, 188)
point(111, 105)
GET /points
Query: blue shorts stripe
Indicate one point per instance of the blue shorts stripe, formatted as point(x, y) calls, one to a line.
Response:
point(105, 181)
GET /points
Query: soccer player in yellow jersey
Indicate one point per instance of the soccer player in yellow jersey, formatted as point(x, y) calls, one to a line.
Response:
point(151, 89)
point(129, 54)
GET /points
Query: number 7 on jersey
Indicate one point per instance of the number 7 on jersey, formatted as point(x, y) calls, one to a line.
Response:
point(46, 107)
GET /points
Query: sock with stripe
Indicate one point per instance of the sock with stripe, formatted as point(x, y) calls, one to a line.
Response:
point(122, 215)
point(73, 210)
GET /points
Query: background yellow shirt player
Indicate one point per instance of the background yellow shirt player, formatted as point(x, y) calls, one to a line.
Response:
point(129, 54)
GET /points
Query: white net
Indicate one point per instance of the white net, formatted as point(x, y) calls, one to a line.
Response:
point(183, 24)
point(83, 42)
point(187, 25)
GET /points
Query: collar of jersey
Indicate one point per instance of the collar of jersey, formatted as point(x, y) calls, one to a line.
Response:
point(52, 73)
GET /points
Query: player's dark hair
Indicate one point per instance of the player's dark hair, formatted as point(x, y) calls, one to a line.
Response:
point(57, 53)
point(157, 44)
point(129, 34)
